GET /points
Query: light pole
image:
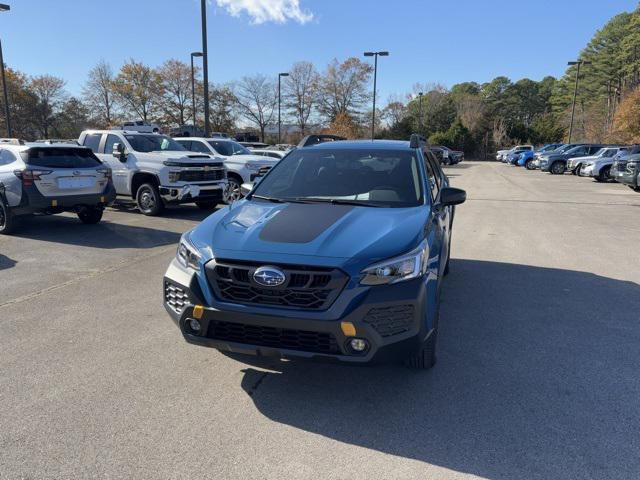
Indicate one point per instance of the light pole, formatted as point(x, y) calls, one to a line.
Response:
point(205, 66)
point(375, 74)
point(420, 112)
point(193, 89)
point(579, 63)
point(5, 8)
point(280, 75)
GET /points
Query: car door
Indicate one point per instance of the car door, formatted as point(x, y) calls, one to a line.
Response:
point(10, 185)
point(440, 221)
point(122, 171)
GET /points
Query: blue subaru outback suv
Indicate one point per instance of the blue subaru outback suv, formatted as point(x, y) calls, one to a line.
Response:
point(338, 253)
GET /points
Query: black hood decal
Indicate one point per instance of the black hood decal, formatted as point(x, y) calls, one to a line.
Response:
point(302, 223)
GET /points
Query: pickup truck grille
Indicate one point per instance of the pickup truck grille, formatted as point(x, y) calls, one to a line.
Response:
point(305, 288)
point(201, 175)
point(303, 340)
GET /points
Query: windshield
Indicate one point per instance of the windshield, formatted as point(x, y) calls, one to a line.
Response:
point(377, 178)
point(153, 143)
point(228, 148)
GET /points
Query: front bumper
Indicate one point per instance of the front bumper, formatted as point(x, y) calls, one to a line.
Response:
point(392, 319)
point(33, 201)
point(191, 192)
point(626, 177)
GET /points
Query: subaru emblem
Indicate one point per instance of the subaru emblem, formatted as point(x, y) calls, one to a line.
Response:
point(269, 276)
point(76, 172)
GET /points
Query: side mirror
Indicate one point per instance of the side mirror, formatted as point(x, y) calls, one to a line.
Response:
point(452, 196)
point(245, 188)
point(119, 152)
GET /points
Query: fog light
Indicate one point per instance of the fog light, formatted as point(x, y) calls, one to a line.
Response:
point(194, 325)
point(358, 344)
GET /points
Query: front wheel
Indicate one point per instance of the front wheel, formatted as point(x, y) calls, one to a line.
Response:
point(529, 165)
point(425, 358)
point(7, 220)
point(558, 168)
point(90, 215)
point(234, 191)
point(605, 174)
point(149, 200)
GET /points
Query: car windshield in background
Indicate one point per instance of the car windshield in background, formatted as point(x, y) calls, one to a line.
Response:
point(228, 149)
point(61, 157)
point(153, 143)
point(377, 178)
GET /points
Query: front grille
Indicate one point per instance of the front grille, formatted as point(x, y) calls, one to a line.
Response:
point(260, 335)
point(388, 321)
point(175, 296)
point(307, 288)
point(201, 175)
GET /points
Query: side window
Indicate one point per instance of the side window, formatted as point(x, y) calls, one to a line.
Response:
point(437, 170)
point(199, 147)
point(6, 157)
point(110, 142)
point(185, 143)
point(431, 179)
point(92, 141)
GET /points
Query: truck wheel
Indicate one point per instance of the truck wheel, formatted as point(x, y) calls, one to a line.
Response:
point(149, 200)
point(207, 205)
point(558, 168)
point(425, 358)
point(90, 215)
point(605, 174)
point(576, 170)
point(234, 191)
point(7, 220)
point(529, 165)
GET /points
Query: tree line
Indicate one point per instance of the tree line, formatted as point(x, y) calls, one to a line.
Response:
point(476, 117)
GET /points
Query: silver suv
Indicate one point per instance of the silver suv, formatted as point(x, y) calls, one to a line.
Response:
point(43, 178)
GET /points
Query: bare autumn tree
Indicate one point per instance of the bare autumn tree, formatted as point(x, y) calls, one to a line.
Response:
point(301, 92)
point(98, 93)
point(222, 104)
point(49, 94)
point(175, 91)
point(344, 88)
point(394, 112)
point(256, 99)
point(136, 87)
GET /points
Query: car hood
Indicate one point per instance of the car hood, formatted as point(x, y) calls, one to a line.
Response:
point(178, 156)
point(324, 234)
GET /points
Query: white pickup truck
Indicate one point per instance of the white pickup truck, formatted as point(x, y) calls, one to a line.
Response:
point(156, 171)
point(243, 166)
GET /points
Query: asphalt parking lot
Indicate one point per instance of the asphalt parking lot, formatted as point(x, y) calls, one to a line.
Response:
point(537, 373)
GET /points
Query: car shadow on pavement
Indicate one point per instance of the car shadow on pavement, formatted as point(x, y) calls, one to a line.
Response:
point(6, 262)
point(537, 377)
point(175, 212)
point(107, 235)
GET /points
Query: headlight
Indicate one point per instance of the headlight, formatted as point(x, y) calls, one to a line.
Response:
point(253, 166)
point(399, 269)
point(187, 255)
point(174, 177)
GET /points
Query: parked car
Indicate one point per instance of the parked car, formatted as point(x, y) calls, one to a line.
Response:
point(50, 179)
point(450, 157)
point(574, 165)
point(599, 168)
point(255, 145)
point(626, 168)
point(338, 253)
point(556, 161)
point(525, 159)
point(242, 165)
point(515, 150)
point(500, 154)
point(139, 126)
point(279, 154)
point(546, 150)
point(156, 171)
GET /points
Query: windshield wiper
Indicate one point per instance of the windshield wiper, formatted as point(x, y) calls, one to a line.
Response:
point(278, 200)
point(337, 201)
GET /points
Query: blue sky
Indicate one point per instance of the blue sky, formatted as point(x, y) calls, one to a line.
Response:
point(430, 41)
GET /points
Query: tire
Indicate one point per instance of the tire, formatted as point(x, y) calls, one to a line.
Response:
point(207, 205)
point(90, 215)
point(234, 191)
point(529, 165)
point(425, 358)
point(557, 168)
point(7, 219)
point(148, 200)
point(604, 175)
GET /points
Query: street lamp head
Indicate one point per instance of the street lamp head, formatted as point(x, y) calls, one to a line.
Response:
point(420, 94)
point(572, 63)
point(196, 54)
point(284, 74)
point(368, 54)
point(4, 7)
point(383, 54)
